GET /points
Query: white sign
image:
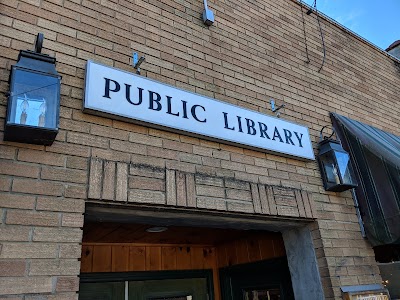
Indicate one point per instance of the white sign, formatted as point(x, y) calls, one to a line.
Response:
point(122, 94)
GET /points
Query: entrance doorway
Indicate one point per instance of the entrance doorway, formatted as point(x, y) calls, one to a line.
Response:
point(132, 262)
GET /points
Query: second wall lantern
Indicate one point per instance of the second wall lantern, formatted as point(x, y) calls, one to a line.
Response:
point(34, 98)
point(334, 162)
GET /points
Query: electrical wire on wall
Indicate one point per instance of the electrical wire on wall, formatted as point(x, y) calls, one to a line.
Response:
point(304, 30)
point(322, 35)
point(320, 31)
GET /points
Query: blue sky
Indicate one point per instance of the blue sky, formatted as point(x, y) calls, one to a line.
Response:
point(375, 20)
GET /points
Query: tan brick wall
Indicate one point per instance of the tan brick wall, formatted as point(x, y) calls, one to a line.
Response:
point(255, 51)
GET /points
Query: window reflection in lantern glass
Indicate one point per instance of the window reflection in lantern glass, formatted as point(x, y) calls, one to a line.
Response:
point(34, 99)
point(343, 160)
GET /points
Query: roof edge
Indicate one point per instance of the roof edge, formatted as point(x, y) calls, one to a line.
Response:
point(357, 36)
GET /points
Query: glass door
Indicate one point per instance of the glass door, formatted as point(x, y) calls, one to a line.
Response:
point(102, 291)
point(169, 289)
point(148, 285)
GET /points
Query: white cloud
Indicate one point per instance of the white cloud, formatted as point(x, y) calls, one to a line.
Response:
point(340, 12)
point(349, 20)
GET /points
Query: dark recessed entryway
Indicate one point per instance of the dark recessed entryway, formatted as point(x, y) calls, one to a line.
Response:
point(181, 262)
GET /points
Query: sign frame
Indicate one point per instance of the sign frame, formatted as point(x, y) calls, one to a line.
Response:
point(88, 107)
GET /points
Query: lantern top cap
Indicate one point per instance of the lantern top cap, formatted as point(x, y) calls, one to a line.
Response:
point(38, 62)
point(36, 55)
point(35, 60)
point(329, 144)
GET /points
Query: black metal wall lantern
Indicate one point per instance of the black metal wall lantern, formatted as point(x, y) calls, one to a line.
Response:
point(334, 163)
point(34, 98)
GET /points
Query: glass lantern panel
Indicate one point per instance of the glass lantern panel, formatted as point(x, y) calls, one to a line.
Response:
point(34, 99)
point(343, 160)
point(330, 167)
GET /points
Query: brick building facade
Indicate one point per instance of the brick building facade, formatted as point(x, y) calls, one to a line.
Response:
point(255, 51)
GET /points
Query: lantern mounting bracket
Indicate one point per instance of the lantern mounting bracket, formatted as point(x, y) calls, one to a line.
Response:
point(276, 109)
point(39, 42)
point(321, 137)
point(137, 62)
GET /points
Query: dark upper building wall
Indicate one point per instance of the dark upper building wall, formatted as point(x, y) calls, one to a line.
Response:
point(394, 49)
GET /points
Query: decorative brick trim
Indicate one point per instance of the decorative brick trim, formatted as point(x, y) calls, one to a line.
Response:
point(95, 179)
point(117, 181)
point(121, 193)
point(108, 180)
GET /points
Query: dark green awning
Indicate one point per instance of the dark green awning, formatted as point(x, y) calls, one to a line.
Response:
point(379, 142)
point(375, 155)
